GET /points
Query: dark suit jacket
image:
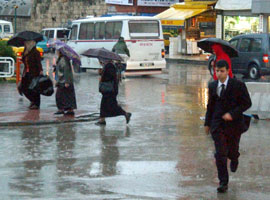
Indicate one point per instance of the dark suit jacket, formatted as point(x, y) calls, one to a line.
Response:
point(235, 101)
point(33, 61)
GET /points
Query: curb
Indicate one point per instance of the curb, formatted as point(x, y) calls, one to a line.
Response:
point(39, 123)
point(186, 61)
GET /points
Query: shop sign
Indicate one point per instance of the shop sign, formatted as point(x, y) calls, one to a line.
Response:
point(161, 3)
point(172, 22)
point(120, 2)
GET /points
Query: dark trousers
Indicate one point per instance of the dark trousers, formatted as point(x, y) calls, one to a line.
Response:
point(227, 146)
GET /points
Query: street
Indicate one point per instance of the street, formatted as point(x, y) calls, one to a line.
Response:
point(162, 154)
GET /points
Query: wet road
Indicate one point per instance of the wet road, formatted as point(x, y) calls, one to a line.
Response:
point(162, 154)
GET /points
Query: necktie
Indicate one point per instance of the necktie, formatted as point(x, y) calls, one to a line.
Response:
point(222, 90)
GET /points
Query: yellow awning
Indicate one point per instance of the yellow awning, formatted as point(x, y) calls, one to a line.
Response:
point(178, 13)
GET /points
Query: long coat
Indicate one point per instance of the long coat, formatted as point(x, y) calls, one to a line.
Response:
point(32, 63)
point(235, 101)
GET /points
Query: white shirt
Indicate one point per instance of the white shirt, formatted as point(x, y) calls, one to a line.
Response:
point(219, 87)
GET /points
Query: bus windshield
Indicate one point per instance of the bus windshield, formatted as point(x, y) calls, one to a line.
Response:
point(143, 28)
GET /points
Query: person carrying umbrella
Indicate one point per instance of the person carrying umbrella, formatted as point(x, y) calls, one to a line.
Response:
point(222, 49)
point(65, 94)
point(32, 64)
point(221, 55)
point(32, 69)
point(109, 106)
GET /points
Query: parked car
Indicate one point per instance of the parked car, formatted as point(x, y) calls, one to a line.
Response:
point(44, 44)
point(254, 53)
point(19, 50)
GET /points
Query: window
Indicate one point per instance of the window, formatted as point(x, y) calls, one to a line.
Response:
point(244, 45)
point(99, 30)
point(143, 29)
point(74, 30)
point(62, 33)
point(234, 43)
point(256, 45)
point(113, 30)
point(6, 28)
point(86, 31)
point(51, 34)
point(0, 29)
point(47, 34)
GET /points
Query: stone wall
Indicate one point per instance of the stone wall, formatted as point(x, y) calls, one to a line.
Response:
point(57, 13)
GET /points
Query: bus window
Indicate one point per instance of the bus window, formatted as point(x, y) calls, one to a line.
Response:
point(6, 28)
point(143, 29)
point(86, 31)
point(74, 30)
point(0, 29)
point(113, 30)
point(99, 30)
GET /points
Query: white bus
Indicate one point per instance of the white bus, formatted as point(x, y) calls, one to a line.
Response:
point(143, 36)
point(6, 29)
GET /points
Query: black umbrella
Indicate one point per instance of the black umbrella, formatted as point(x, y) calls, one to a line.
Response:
point(102, 54)
point(19, 39)
point(206, 45)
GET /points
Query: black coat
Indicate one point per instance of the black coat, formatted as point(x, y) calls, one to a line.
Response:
point(235, 101)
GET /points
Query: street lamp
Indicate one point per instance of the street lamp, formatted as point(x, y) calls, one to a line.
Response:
point(15, 18)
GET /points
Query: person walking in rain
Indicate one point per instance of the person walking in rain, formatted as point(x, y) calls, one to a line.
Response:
point(121, 49)
point(32, 68)
point(109, 106)
point(221, 55)
point(65, 94)
point(228, 99)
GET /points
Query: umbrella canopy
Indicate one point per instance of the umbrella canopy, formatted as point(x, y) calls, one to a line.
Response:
point(19, 39)
point(66, 51)
point(102, 54)
point(206, 45)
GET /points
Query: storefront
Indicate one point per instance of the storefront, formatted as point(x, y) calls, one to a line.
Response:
point(194, 21)
point(235, 17)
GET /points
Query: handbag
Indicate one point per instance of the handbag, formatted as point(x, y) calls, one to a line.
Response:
point(106, 87)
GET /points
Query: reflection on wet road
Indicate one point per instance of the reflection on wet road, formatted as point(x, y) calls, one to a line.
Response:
point(162, 154)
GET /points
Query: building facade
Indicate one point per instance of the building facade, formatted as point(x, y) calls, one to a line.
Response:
point(38, 14)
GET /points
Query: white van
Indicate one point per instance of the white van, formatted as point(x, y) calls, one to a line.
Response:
point(56, 33)
point(6, 29)
point(143, 36)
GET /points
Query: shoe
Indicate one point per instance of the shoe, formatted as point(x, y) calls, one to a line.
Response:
point(100, 123)
point(34, 107)
point(222, 188)
point(69, 113)
point(59, 112)
point(234, 165)
point(128, 116)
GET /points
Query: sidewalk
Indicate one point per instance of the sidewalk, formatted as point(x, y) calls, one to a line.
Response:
point(14, 109)
point(188, 59)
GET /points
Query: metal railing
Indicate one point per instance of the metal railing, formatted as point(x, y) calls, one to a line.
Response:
point(7, 67)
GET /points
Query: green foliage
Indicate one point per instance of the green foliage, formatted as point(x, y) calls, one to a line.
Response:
point(6, 51)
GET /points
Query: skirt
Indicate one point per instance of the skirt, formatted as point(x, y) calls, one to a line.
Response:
point(109, 107)
point(65, 98)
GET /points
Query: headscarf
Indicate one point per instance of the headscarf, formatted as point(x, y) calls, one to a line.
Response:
point(221, 55)
point(28, 45)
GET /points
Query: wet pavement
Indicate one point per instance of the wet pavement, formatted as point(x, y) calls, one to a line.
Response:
point(162, 154)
